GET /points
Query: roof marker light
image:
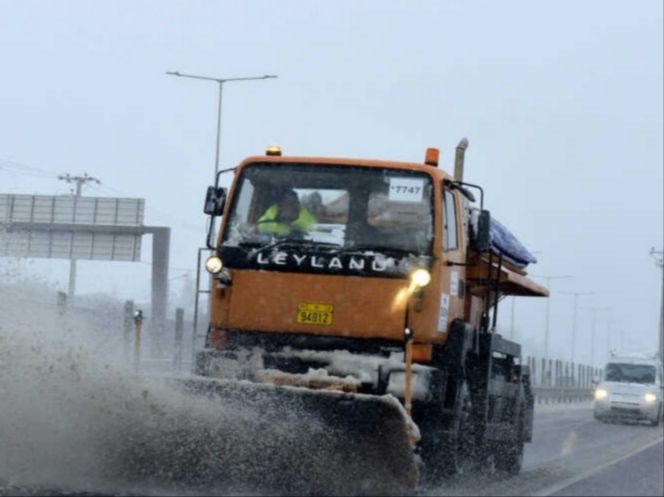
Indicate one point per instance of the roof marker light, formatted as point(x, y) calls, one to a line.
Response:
point(274, 150)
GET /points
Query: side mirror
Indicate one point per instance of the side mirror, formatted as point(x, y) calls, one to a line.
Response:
point(215, 199)
point(481, 232)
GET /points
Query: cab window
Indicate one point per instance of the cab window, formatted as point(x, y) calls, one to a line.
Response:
point(449, 222)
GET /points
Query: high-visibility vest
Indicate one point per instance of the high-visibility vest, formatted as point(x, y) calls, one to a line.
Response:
point(305, 220)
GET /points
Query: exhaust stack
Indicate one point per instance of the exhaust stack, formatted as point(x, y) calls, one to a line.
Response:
point(458, 159)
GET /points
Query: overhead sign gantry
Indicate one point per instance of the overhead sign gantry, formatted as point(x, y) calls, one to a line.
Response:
point(88, 228)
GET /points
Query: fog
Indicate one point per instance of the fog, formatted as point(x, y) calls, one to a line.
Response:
point(561, 103)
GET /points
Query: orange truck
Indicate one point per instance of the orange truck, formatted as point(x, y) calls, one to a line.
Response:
point(370, 289)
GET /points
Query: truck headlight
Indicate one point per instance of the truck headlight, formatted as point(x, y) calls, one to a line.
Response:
point(213, 264)
point(650, 398)
point(601, 393)
point(420, 278)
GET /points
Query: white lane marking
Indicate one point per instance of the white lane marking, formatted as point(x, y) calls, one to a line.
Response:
point(571, 481)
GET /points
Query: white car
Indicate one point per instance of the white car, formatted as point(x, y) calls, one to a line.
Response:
point(632, 388)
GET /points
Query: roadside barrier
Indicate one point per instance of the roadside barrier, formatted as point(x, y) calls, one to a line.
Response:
point(555, 381)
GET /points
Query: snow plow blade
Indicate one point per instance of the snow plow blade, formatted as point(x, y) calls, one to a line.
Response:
point(284, 440)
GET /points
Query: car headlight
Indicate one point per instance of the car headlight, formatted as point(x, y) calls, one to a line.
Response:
point(650, 398)
point(213, 264)
point(420, 278)
point(601, 393)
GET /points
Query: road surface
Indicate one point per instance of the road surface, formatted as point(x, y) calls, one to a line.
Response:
point(573, 454)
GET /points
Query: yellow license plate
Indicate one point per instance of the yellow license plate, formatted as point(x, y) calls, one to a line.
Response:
point(314, 314)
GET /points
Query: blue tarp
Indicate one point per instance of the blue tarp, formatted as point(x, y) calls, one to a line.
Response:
point(503, 241)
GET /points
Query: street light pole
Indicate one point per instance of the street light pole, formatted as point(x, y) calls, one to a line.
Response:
point(221, 82)
point(610, 347)
point(512, 320)
point(594, 310)
point(659, 260)
point(217, 153)
point(576, 296)
point(548, 279)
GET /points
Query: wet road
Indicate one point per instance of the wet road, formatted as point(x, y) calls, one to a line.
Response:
point(637, 474)
point(572, 452)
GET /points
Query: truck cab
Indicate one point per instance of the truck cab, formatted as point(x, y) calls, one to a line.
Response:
point(371, 277)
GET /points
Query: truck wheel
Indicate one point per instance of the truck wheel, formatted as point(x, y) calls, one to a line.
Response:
point(446, 449)
point(508, 456)
point(457, 457)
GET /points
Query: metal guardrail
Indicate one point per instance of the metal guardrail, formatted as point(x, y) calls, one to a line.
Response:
point(558, 395)
point(556, 381)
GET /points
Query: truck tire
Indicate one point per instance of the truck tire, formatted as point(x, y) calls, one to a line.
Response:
point(458, 458)
point(508, 456)
point(453, 449)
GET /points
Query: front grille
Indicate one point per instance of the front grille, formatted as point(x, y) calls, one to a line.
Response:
point(293, 365)
point(624, 411)
point(275, 342)
point(625, 404)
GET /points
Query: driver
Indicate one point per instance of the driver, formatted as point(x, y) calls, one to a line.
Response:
point(286, 216)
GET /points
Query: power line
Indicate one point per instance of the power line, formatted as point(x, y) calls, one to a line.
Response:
point(79, 180)
point(181, 222)
point(17, 168)
point(24, 169)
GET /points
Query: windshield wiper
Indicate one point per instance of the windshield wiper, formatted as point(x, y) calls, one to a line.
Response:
point(293, 242)
point(380, 248)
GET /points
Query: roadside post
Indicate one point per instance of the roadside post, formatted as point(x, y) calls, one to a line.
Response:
point(138, 325)
point(127, 325)
point(179, 328)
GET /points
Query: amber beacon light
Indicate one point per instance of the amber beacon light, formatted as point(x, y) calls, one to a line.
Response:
point(431, 157)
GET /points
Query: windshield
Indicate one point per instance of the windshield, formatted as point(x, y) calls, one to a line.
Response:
point(340, 207)
point(630, 373)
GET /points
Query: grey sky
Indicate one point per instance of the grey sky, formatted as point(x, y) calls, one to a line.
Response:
point(561, 102)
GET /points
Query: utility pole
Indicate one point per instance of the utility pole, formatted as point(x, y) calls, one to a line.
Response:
point(80, 181)
point(594, 310)
point(548, 279)
point(576, 297)
point(659, 261)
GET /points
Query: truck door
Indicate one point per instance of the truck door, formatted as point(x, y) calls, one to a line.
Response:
point(452, 283)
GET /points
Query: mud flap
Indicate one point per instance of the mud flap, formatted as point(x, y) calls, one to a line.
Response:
point(269, 439)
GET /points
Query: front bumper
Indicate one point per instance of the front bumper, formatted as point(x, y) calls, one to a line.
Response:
point(630, 408)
